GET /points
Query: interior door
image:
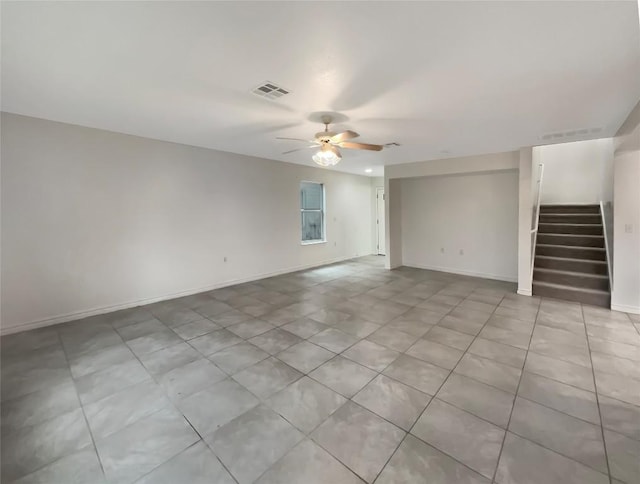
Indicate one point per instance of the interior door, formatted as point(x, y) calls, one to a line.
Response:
point(380, 219)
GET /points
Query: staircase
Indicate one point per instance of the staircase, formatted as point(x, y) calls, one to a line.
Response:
point(570, 258)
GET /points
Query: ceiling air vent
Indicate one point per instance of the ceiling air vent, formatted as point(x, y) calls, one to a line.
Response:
point(270, 90)
point(570, 134)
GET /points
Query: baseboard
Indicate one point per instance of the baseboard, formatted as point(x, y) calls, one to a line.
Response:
point(625, 309)
point(525, 292)
point(483, 275)
point(73, 316)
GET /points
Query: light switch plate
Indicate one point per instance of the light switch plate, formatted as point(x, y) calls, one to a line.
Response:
point(628, 228)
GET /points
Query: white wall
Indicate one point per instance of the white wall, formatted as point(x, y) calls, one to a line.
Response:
point(394, 175)
point(525, 217)
point(94, 220)
point(473, 213)
point(626, 216)
point(508, 160)
point(579, 172)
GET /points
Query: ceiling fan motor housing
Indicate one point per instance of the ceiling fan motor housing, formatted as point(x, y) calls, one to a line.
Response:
point(324, 136)
point(328, 141)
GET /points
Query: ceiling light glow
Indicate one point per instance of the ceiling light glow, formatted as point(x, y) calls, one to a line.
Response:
point(327, 156)
point(368, 170)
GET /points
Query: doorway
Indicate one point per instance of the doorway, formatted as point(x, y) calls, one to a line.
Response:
point(380, 220)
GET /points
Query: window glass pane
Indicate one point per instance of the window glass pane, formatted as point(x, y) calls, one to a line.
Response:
point(311, 226)
point(311, 196)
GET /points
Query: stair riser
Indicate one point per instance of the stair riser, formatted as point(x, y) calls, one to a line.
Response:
point(571, 219)
point(569, 208)
point(570, 229)
point(576, 240)
point(571, 252)
point(602, 300)
point(586, 266)
point(571, 280)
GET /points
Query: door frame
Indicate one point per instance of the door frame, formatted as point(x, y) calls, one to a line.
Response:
point(380, 224)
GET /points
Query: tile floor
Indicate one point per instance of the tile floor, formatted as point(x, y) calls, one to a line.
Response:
point(341, 374)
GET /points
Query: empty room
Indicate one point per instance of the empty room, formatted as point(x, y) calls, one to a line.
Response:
point(320, 242)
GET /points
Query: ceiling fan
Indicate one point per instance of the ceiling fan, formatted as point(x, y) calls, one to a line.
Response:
point(329, 142)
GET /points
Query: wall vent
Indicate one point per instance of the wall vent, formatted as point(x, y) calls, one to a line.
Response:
point(270, 90)
point(572, 133)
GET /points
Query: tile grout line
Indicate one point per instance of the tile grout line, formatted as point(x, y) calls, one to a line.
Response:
point(86, 421)
point(81, 408)
point(173, 457)
point(170, 401)
point(379, 416)
point(436, 393)
point(395, 451)
point(173, 405)
point(450, 371)
point(230, 378)
point(397, 277)
point(435, 396)
point(495, 472)
point(515, 395)
point(521, 369)
point(595, 387)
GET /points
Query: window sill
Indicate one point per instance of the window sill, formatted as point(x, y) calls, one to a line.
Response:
point(313, 242)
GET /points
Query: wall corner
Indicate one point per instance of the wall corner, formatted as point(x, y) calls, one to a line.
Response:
point(525, 207)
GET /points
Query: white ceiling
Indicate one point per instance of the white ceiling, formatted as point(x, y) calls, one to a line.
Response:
point(442, 79)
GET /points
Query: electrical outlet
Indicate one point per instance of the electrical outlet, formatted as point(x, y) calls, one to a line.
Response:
point(461, 251)
point(628, 228)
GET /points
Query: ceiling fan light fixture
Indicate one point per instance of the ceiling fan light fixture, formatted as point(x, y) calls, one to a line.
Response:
point(328, 141)
point(328, 155)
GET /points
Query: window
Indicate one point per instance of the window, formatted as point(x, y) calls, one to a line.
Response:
point(312, 212)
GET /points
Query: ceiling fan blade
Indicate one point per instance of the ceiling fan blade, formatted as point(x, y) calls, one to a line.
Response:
point(299, 149)
point(296, 139)
point(345, 135)
point(360, 146)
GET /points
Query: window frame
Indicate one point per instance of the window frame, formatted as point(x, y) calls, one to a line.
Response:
point(323, 215)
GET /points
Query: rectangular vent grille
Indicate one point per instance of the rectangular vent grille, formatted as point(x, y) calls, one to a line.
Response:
point(570, 134)
point(270, 90)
